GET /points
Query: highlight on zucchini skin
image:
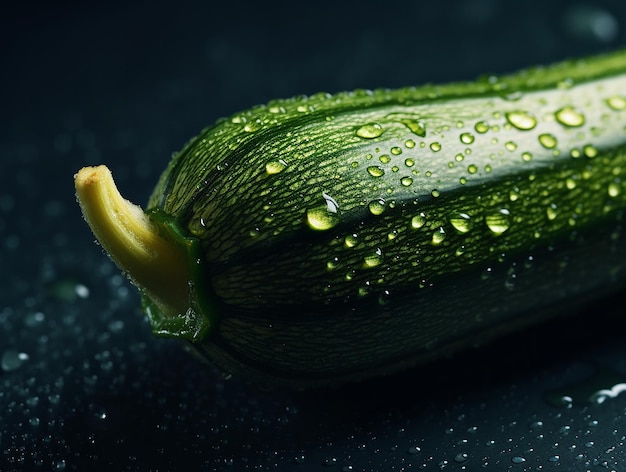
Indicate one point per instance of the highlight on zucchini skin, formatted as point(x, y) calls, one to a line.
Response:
point(331, 238)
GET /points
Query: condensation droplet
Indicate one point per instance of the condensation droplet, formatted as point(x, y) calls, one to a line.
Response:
point(409, 162)
point(13, 360)
point(418, 221)
point(551, 212)
point(416, 127)
point(438, 236)
point(374, 259)
point(462, 222)
point(406, 181)
point(499, 221)
point(252, 126)
point(197, 227)
point(590, 151)
point(324, 217)
point(376, 207)
point(275, 167)
point(527, 157)
point(547, 140)
point(570, 183)
point(351, 240)
point(617, 103)
point(481, 127)
point(472, 168)
point(467, 138)
point(435, 147)
point(613, 189)
point(370, 131)
point(375, 171)
point(570, 117)
point(521, 120)
point(461, 457)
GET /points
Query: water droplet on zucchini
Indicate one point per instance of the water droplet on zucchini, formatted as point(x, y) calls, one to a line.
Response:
point(467, 138)
point(462, 222)
point(521, 120)
point(435, 147)
point(376, 207)
point(547, 140)
point(499, 221)
point(370, 131)
point(568, 116)
point(323, 217)
point(616, 103)
point(275, 167)
point(375, 171)
point(418, 221)
point(320, 219)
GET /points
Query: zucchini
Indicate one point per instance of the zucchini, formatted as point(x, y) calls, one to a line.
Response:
point(324, 239)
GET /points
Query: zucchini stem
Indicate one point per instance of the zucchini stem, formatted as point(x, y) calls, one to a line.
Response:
point(157, 266)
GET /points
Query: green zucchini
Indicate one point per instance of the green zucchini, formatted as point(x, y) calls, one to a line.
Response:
point(330, 238)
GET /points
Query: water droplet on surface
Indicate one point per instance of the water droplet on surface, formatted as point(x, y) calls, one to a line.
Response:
point(374, 259)
point(438, 236)
point(551, 212)
point(613, 189)
point(252, 126)
point(414, 450)
point(375, 171)
point(570, 117)
point(409, 162)
point(323, 217)
point(275, 167)
point(197, 227)
point(34, 319)
point(616, 103)
point(498, 222)
point(370, 131)
point(547, 140)
point(406, 181)
point(418, 221)
point(462, 223)
point(351, 240)
point(510, 146)
point(527, 157)
point(521, 120)
point(416, 127)
point(481, 127)
point(472, 168)
point(461, 457)
point(13, 360)
point(518, 460)
point(435, 147)
point(590, 151)
point(467, 138)
point(376, 207)
point(409, 144)
point(396, 151)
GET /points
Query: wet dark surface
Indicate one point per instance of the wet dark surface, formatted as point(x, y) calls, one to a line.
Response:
point(83, 383)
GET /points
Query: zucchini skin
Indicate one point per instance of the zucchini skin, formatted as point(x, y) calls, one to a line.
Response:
point(352, 235)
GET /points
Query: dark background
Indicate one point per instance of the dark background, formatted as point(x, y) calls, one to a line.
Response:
point(85, 386)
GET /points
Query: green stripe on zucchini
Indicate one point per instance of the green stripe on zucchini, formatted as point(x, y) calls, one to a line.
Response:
point(349, 235)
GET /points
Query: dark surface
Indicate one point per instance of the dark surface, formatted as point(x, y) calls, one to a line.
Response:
point(85, 386)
